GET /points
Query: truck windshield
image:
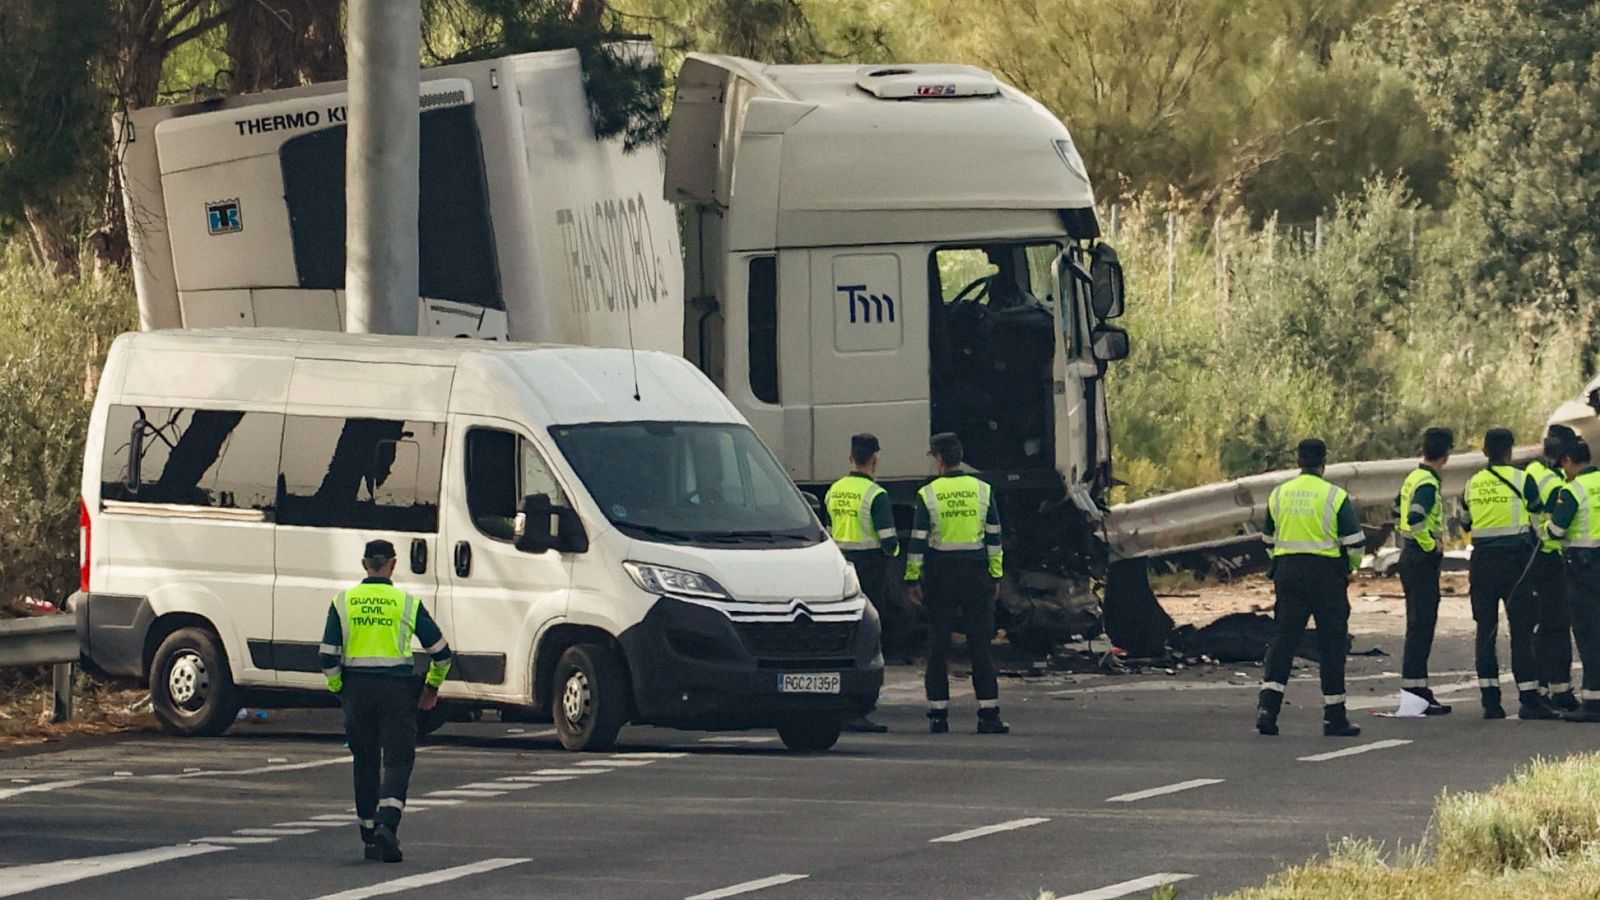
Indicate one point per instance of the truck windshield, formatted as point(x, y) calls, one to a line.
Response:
point(688, 483)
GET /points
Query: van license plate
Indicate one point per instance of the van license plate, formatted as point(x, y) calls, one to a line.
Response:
point(813, 683)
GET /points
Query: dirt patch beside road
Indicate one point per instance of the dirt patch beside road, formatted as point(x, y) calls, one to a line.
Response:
point(99, 708)
point(1377, 605)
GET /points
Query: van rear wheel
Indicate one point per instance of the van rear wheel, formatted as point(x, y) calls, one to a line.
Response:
point(591, 697)
point(191, 686)
point(810, 732)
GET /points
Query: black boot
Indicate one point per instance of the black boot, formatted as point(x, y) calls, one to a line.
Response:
point(1435, 708)
point(938, 721)
point(1267, 706)
point(1588, 711)
point(989, 721)
point(1530, 705)
point(864, 725)
point(388, 846)
point(371, 850)
point(1566, 701)
point(1336, 722)
point(1491, 703)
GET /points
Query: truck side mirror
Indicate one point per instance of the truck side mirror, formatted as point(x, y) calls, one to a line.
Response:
point(1106, 292)
point(543, 526)
point(1109, 343)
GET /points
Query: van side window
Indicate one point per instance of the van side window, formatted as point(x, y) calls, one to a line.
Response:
point(763, 306)
point(220, 459)
point(371, 474)
point(502, 469)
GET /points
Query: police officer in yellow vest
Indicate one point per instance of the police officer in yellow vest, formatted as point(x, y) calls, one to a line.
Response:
point(1553, 635)
point(1419, 524)
point(956, 529)
point(861, 520)
point(1575, 521)
point(1499, 509)
point(1316, 543)
point(366, 657)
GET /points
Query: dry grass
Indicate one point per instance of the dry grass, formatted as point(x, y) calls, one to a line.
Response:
point(1535, 836)
point(100, 708)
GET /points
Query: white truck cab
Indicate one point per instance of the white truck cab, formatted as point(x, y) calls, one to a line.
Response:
point(599, 533)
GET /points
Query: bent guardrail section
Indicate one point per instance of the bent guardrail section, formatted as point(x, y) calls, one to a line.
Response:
point(45, 641)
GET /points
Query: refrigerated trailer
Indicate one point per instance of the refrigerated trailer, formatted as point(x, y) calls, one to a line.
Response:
point(903, 249)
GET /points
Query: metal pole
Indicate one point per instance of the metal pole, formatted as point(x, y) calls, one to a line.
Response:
point(381, 167)
point(61, 681)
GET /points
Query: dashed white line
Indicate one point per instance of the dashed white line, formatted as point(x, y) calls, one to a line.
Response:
point(308, 824)
point(1167, 789)
point(736, 739)
point(425, 879)
point(968, 835)
point(748, 887)
point(418, 804)
point(344, 818)
point(272, 832)
point(235, 839)
point(1134, 886)
point(616, 763)
point(642, 755)
point(539, 779)
point(1352, 751)
point(463, 793)
point(495, 786)
point(22, 879)
point(189, 772)
point(570, 771)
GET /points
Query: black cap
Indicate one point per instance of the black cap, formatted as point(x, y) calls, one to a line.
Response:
point(1311, 453)
point(1498, 442)
point(379, 550)
point(862, 446)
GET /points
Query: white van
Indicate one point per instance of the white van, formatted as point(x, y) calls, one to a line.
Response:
point(599, 533)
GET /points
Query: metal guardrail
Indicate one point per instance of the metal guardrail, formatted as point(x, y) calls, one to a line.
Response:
point(44, 641)
point(1158, 524)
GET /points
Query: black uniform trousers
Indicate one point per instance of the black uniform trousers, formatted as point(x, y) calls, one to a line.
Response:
point(1494, 572)
point(872, 567)
point(960, 586)
point(1419, 577)
point(1583, 599)
point(380, 721)
point(1553, 635)
point(1311, 587)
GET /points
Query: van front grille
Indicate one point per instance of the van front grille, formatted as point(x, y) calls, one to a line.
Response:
point(798, 640)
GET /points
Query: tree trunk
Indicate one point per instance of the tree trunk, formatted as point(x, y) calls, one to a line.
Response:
point(588, 12)
point(51, 245)
point(281, 43)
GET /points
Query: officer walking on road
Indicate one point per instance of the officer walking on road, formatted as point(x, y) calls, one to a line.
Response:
point(861, 520)
point(1500, 504)
point(366, 656)
point(1553, 635)
point(957, 528)
point(1420, 525)
point(1575, 521)
point(1316, 543)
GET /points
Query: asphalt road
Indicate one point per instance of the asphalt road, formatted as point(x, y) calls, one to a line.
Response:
point(1071, 802)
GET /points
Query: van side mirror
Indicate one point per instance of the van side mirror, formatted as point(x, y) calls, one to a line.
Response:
point(543, 526)
point(1109, 343)
point(1105, 272)
point(813, 502)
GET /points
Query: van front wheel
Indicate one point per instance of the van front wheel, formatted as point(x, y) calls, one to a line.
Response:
point(810, 732)
point(191, 687)
point(591, 697)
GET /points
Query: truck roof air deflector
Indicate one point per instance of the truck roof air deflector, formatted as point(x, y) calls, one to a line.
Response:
point(927, 82)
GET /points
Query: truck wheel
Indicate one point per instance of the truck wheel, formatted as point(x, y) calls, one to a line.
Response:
point(810, 732)
point(191, 687)
point(591, 697)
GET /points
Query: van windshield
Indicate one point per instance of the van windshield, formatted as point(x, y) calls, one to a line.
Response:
point(688, 483)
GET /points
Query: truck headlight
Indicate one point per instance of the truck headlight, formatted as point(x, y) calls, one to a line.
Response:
point(667, 580)
point(852, 581)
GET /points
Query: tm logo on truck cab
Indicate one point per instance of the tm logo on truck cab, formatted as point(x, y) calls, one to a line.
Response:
point(875, 308)
point(222, 217)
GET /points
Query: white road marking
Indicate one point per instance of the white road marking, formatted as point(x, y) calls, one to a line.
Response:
point(189, 772)
point(620, 763)
point(570, 771)
point(1352, 751)
point(520, 733)
point(309, 824)
point(539, 779)
point(968, 835)
point(495, 786)
point(736, 739)
point(233, 839)
point(422, 803)
point(425, 879)
point(748, 886)
point(345, 818)
point(1168, 789)
point(462, 793)
point(648, 755)
point(36, 876)
point(1145, 685)
point(1124, 888)
point(272, 832)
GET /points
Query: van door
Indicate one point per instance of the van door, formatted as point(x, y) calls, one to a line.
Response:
point(869, 364)
point(346, 480)
point(499, 598)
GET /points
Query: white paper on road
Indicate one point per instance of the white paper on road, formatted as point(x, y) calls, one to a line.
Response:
point(22, 879)
point(1411, 707)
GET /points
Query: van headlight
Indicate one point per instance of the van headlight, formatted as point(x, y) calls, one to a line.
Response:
point(667, 580)
point(852, 581)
